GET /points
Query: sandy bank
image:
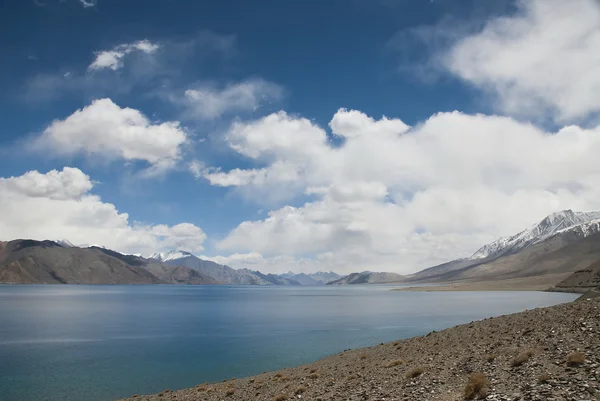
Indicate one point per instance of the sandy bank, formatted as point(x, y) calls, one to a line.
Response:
point(537, 283)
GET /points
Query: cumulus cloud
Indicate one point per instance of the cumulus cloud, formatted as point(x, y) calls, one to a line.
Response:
point(209, 101)
point(543, 60)
point(113, 59)
point(399, 198)
point(103, 128)
point(59, 204)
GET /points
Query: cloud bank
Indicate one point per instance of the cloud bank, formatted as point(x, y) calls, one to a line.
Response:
point(60, 203)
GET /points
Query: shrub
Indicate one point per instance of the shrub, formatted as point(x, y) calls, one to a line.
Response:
point(544, 378)
point(415, 372)
point(575, 358)
point(476, 387)
point(521, 358)
point(299, 390)
point(491, 357)
point(396, 362)
point(230, 392)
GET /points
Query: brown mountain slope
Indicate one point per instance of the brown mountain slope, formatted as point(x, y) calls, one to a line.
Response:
point(179, 274)
point(47, 262)
point(583, 280)
point(561, 254)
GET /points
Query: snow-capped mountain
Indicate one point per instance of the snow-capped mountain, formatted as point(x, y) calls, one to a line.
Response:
point(170, 256)
point(65, 243)
point(582, 223)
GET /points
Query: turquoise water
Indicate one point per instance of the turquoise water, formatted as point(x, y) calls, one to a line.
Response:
point(94, 343)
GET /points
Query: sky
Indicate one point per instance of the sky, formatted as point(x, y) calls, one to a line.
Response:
point(381, 135)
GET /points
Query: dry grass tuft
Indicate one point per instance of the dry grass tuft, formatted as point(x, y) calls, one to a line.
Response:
point(544, 377)
point(299, 390)
point(230, 392)
point(313, 376)
point(476, 387)
point(363, 356)
point(415, 372)
point(280, 397)
point(393, 363)
point(521, 358)
point(491, 357)
point(575, 358)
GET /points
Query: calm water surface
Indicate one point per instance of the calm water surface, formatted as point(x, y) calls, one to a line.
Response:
point(98, 343)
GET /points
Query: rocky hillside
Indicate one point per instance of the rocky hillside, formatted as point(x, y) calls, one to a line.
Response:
point(538, 355)
point(583, 281)
point(48, 262)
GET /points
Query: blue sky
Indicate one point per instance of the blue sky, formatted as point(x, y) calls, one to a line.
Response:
point(254, 133)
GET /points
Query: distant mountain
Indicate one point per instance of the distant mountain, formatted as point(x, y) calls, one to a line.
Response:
point(272, 278)
point(318, 278)
point(562, 254)
point(586, 223)
point(561, 243)
point(48, 262)
point(368, 278)
point(221, 273)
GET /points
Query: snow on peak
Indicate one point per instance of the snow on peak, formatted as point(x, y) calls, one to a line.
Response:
point(171, 255)
point(551, 225)
point(66, 243)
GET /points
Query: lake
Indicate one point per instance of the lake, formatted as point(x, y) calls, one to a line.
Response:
point(95, 343)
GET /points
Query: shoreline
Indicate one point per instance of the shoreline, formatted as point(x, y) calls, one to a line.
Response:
point(535, 283)
point(522, 356)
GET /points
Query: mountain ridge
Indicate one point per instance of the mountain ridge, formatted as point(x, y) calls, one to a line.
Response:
point(551, 225)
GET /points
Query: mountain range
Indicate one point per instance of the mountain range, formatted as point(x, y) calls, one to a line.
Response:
point(559, 249)
point(60, 262)
point(564, 246)
point(48, 262)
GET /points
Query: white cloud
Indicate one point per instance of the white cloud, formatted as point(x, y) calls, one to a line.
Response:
point(113, 59)
point(103, 128)
point(543, 60)
point(88, 3)
point(70, 183)
point(208, 101)
point(58, 204)
point(396, 198)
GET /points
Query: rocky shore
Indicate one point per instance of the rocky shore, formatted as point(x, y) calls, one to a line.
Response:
point(543, 354)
